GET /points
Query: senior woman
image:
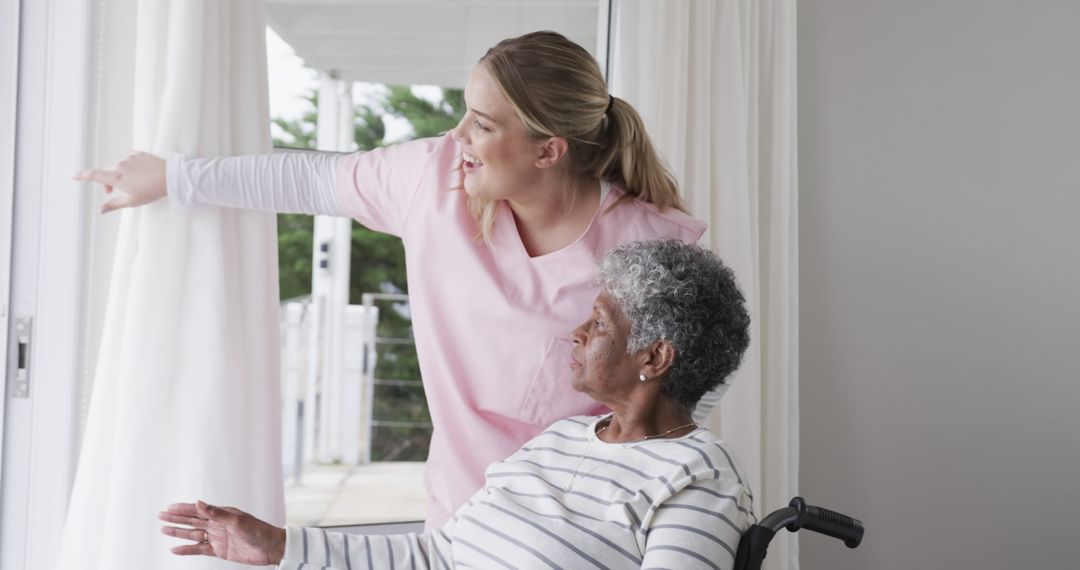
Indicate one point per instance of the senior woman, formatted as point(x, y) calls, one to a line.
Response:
point(642, 486)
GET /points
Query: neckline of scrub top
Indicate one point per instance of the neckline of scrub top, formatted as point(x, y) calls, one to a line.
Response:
point(511, 233)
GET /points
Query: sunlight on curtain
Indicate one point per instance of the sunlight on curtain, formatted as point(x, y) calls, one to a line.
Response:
point(715, 82)
point(186, 400)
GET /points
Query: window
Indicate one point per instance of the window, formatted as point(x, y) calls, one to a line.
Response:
point(377, 477)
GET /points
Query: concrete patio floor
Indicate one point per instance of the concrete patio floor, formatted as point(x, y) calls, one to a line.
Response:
point(333, 495)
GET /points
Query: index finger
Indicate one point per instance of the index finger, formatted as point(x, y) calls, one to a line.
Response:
point(186, 509)
point(194, 522)
point(101, 176)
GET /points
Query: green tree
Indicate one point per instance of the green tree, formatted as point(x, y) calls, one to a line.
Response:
point(300, 133)
point(377, 260)
point(427, 119)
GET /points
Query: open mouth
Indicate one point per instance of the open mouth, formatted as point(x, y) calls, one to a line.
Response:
point(469, 162)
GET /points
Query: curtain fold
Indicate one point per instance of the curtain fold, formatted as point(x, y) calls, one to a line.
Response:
point(186, 393)
point(715, 83)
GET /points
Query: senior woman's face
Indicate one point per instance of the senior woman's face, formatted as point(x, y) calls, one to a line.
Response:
point(600, 366)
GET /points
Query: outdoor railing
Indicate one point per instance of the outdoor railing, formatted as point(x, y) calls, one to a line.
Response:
point(345, 406)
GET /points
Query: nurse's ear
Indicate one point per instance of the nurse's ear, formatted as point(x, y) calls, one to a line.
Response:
point(550, 152)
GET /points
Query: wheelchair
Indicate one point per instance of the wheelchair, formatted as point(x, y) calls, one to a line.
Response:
point(797, 515)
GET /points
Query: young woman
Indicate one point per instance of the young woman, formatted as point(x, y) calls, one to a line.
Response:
point(502, 221)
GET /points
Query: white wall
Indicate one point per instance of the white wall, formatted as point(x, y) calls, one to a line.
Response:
point(940, 280)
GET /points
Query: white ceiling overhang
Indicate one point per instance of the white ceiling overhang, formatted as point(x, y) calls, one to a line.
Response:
point(418, 42)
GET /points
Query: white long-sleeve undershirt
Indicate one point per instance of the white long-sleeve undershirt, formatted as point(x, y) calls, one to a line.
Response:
point(286, 182)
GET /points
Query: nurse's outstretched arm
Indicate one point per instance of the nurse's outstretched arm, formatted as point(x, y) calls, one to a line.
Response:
point(280, 182)
point(376, 187)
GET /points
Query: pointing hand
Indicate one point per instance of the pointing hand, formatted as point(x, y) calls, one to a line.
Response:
point(140, 178)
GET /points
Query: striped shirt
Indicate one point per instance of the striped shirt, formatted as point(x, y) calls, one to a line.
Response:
point(567, 499)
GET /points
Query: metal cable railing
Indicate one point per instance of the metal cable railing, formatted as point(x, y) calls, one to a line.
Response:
point(305, 384)
point(372, 382)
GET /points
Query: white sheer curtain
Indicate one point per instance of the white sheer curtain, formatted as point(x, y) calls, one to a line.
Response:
point(715, 82)
point(186, 400)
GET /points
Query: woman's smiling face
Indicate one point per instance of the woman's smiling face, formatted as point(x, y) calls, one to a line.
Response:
point(600, 365)
point(498, 155)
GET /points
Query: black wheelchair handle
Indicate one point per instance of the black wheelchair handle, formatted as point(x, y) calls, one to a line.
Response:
point(754, 543)
point(824, 521)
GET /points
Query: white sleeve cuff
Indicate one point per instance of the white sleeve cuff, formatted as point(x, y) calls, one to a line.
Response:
point(294, 548)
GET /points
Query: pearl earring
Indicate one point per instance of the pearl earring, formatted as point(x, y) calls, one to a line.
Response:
point(642, 377)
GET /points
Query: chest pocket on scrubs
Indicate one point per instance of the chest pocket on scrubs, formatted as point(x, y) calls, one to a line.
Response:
point(551, 396)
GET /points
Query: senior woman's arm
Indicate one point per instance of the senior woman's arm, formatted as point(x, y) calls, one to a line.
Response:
point(318, 548)
point(699, 527)
point(231, 534)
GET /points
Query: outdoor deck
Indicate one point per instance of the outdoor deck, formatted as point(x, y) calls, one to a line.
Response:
point(334, 495)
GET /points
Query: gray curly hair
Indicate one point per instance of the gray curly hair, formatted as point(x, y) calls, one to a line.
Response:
point(669, 290)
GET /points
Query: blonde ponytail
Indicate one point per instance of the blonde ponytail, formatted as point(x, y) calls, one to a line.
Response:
point(632, 161)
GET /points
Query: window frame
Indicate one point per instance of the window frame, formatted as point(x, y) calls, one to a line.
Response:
point(46, 258)
point(9, 64)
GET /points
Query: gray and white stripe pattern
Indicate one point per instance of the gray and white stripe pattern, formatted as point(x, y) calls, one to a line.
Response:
point(677, 503)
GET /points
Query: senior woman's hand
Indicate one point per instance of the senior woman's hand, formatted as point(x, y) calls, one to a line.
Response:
point(140, 177)
point(224, 532)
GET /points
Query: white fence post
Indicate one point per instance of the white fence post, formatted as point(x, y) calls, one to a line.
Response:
point(355, 404)
point(292, 390)
point(313, 327)
point(330, 273)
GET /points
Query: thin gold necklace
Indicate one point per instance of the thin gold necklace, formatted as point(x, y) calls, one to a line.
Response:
point(581, 458)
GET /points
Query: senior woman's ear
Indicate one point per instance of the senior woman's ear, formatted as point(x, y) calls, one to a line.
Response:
point(657, 358)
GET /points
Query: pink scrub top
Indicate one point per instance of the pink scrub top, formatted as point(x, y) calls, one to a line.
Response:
point(492, 324)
